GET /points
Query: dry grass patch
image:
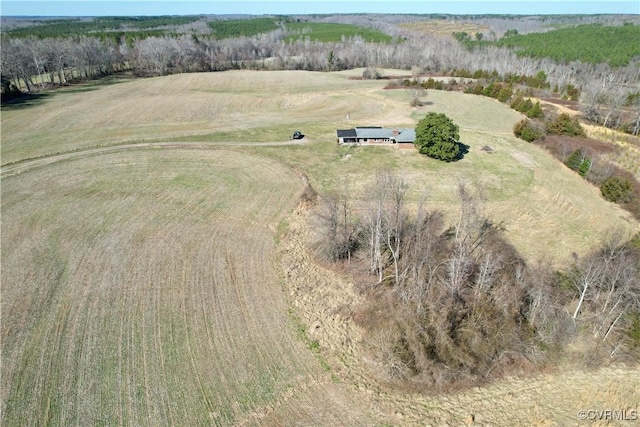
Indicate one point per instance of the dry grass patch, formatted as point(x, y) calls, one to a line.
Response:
point(627, 147)
point(178, 107)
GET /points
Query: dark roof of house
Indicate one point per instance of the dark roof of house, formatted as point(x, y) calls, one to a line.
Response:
point(347, 133)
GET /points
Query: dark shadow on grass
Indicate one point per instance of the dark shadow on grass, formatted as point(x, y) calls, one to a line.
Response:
point(27, 100)
point(23, 101)
point(81, 88)
point(95, 84)
point(416, 103)
point(462, 151)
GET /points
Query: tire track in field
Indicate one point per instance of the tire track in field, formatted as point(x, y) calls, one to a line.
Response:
point(24, 165)
point(186, 309)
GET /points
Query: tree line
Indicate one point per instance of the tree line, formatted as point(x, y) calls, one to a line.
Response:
point(451, 301)
point(30, 63)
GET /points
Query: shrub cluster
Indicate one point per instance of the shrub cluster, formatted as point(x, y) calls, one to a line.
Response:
point(493, 85)
point(503, 92)
point(477, 74)
point(527, 107)
point(528, 131)
point(433, 84)
point(566, 125)
point(617, 190)
point(371, 73)
point(538, 81)
point(616, 185)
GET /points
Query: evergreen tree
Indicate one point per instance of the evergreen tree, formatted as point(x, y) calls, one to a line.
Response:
point(437, 136)
point(535, 112)
point(564, 124)
point(584, 167)
point(575, 160)
point(527, 131)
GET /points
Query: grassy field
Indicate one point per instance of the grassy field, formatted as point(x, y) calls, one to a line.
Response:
point(547, 209)
point(139, 286)
point(141, 280)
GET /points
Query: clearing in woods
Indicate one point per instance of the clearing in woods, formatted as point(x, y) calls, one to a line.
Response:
point(147, 278)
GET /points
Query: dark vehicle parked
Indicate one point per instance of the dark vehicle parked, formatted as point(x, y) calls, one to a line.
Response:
point(297, 135)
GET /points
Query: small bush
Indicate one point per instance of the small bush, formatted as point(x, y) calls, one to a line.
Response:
point(432, 84)
point(505, 93)
point(478, 89)
point(573, 93)
point(520, 104)
point(415, 102)
point(371, 74)
point(584, 167)
point(616, 190)
point(492, 90)
point(527, 131)
point(526, 106)
point(564, 124)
